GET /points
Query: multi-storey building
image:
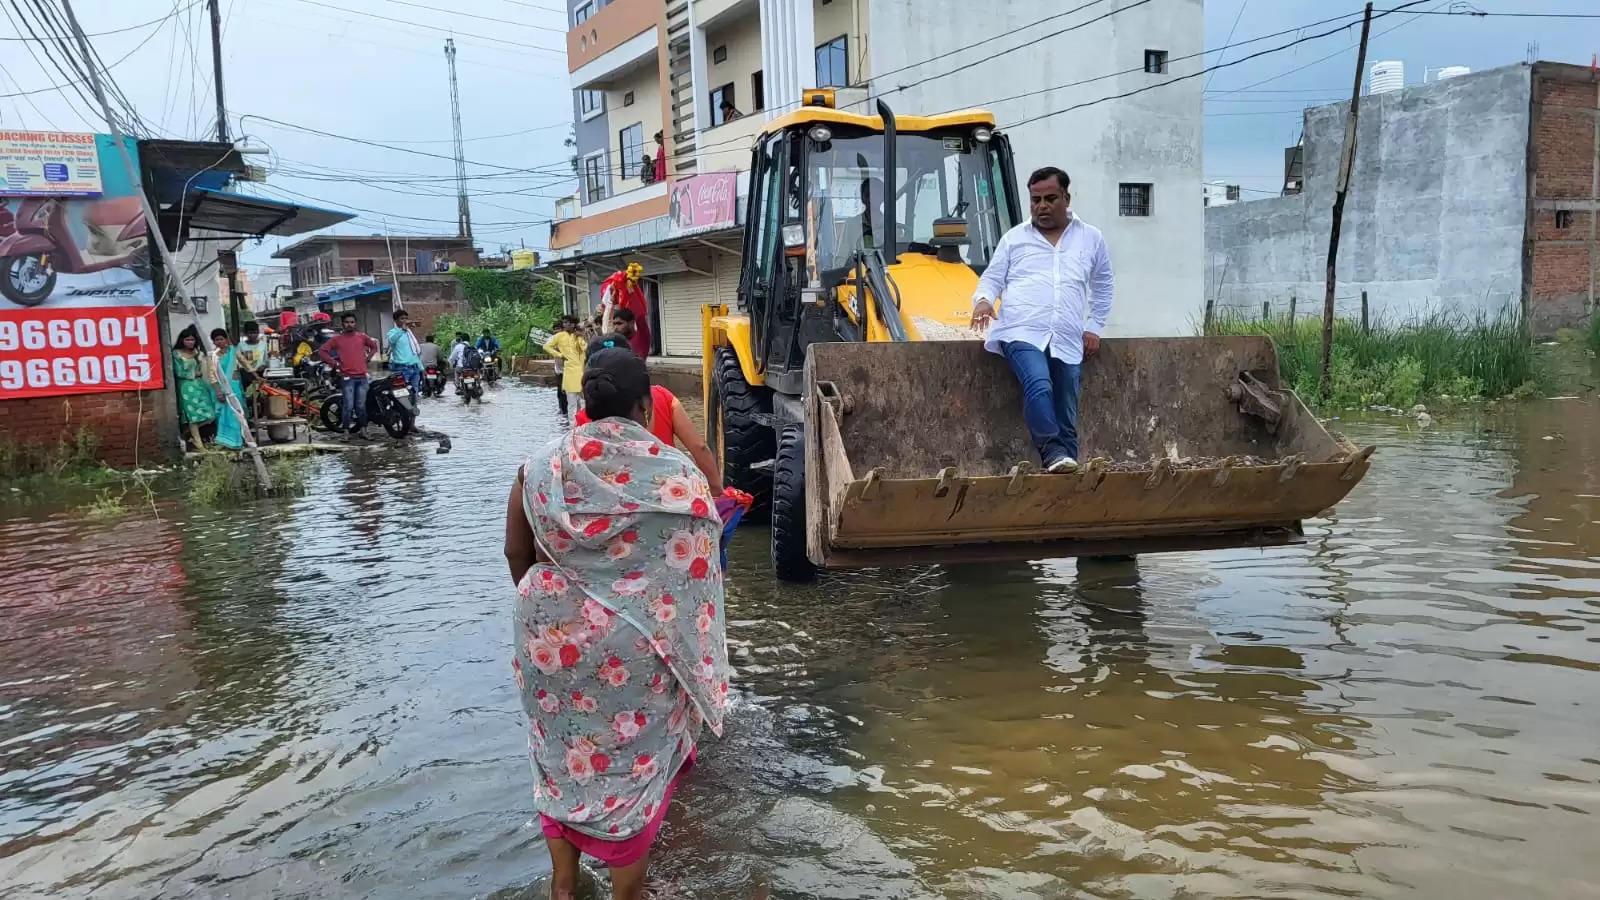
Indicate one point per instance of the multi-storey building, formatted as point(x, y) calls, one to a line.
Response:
point(707, 74)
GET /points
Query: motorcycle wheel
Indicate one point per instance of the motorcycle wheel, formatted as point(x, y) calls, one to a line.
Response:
point(331, 413)
point(10, 271)
point(398, 422)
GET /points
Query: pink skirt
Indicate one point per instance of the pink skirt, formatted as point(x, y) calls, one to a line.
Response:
point(626, 852)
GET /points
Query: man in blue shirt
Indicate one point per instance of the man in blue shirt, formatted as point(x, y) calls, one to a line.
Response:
point(403, 351)
point(487, 344)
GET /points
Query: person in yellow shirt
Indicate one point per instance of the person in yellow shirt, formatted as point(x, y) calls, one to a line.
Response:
point(568, 350)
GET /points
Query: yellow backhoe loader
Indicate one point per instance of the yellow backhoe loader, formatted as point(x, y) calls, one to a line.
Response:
point(835, 396)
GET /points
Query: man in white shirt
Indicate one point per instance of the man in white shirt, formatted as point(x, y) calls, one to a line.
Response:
point(1042, 271)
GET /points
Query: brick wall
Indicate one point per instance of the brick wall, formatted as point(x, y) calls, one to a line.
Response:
point(126, 435)
point(1565, 195)
point(427, 297)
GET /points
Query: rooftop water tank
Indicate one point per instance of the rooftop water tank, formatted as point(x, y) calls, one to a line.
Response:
point(1385, 76)
point(1451, 72)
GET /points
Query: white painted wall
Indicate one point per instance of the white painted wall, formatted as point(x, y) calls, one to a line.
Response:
point(743, 40)
point(846, 17)
point(1153, 137)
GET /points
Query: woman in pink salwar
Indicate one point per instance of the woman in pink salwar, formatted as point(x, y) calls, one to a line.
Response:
point(621, 658)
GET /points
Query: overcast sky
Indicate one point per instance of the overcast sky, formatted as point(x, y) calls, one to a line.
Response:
point(375, 69)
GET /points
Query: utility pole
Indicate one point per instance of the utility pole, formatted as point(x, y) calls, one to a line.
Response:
point(216, 69)
point(1346, 163)
point(463, 213)
point(169, 265)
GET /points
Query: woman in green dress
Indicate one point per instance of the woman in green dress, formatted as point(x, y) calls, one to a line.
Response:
point(197, 402)
point(229, 434)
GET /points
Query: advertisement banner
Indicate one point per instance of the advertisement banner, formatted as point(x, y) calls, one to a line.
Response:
point(77, 309)
point(49, 163)
point(704, 203)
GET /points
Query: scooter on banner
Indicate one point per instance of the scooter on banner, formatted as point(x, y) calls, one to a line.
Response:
point(36, 244)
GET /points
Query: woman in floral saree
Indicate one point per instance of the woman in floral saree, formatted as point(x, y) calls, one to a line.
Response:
point(612, 538)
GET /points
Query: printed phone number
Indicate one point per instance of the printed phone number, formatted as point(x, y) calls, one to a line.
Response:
point(70, 334)
point(16, 374)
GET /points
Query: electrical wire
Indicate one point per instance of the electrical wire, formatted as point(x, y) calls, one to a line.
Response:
point(454, 13)
point(114, 30)
point(1414, 16)
point(1224, 65)
point(1229, 39)
point(57, 87)
point(482, 37)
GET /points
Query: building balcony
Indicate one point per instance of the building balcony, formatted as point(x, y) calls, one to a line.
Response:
point(621, 35)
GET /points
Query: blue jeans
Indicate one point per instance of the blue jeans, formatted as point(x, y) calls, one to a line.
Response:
point(413, 376)
point(353, 403)
point(1049, 399)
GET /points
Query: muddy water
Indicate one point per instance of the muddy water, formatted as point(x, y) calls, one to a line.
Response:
point(311, 699)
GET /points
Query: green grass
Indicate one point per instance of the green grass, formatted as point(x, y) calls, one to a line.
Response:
point(71, 458)
point(105, 507)
point(1399, 366)
point(218, 480)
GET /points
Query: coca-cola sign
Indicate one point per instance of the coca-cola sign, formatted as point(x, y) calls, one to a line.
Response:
point(705, 203)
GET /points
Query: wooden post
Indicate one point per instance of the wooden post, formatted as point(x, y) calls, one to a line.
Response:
point(1266, 310)
point(1346, 164)
point(1211, 305)
point(1291, 309)
point(1365, 327)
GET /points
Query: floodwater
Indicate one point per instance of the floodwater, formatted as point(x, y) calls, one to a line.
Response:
point(313, 698)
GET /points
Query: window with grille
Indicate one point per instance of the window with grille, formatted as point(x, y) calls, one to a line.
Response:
point(1563, 218)
point(1155, 62)
point(1133, 199)
point(630, 143)
point(719, 55)
point(833, 63)
point(594, 178)
point(363, 267)
point(627, 98)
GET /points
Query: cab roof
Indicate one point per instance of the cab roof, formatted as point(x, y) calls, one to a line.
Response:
point(812, 115)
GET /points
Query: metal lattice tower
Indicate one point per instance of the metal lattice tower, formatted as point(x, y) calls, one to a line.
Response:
point(463, 212)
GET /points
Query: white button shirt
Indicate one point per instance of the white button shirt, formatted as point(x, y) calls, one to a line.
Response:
point(1043, 288)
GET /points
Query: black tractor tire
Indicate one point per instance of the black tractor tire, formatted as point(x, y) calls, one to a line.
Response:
point(742, 439)
point(789, 560)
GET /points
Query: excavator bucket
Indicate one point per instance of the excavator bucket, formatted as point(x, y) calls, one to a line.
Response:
point(917, 452)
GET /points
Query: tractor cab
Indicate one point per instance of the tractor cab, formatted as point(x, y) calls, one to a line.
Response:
point(839, 200)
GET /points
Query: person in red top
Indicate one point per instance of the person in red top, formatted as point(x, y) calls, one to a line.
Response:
point(622, 290)
point(669, 421)
point(349, 352)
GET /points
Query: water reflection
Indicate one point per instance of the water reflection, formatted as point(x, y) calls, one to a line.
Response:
point(310, 698)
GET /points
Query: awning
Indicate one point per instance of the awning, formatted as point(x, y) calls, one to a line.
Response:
point(351, 291)
point(241, 214)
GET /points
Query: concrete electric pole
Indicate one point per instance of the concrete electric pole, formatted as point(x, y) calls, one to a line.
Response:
point(463, 212)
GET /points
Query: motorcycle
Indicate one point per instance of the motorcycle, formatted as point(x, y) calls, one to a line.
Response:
point(389, 404)
point(36, 244)
point(471, 387)
point(491, 368)
point(432, 382)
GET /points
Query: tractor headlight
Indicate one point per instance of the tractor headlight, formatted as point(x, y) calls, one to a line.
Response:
point(982, 135)
point(820, 133)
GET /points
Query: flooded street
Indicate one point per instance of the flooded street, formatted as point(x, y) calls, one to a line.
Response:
point(313, 697)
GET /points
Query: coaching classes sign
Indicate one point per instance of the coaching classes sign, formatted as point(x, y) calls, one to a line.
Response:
point(77, 309)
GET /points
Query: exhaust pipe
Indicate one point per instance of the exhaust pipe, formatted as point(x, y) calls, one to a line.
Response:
point(890, 189)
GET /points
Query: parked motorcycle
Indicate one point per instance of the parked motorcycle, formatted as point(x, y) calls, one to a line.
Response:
point(491, 368)
point(471, 387)
point(432, 382)
point(389, 404)
point(36, 243)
